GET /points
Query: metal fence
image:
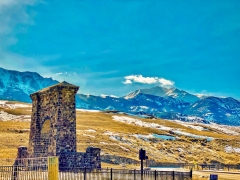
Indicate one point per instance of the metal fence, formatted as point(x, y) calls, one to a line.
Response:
point(123, 174)
point(18, 173)
point(25, 169)
point(47, 168)
point(8, 173)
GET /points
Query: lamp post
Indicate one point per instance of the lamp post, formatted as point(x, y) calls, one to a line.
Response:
point(142, 156)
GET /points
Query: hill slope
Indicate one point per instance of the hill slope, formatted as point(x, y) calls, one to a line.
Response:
point(120, 137)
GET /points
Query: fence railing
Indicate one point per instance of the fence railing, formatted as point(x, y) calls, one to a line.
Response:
point(48, 169)
point(25, 169)
point(219, 167)
point(7, 173)
point(123, 174)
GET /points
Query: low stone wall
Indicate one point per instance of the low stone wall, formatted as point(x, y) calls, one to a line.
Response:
point(78, 160)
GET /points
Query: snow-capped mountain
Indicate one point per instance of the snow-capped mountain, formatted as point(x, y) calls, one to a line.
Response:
point(168, 103)
point(165, 92)
point(157, 91)
point(201, 96)
point(210, 109)
point(140, 104)
point(15, 85)
point(215, 109)
point(143, 103)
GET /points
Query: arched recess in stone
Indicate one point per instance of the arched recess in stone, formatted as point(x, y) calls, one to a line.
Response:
point(45, 135)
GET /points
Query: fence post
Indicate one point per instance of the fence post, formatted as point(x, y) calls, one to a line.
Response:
point(155, 174)
point(52, 168)
point(85, 171)
point(141, 169)
point(134, 174)
point(111, 174)
point(14, 170)
point(173, 175)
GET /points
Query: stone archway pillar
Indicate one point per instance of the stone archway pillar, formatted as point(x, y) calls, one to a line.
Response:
point(57, 104)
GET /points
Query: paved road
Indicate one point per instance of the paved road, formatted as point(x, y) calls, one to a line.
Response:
point(222, 175)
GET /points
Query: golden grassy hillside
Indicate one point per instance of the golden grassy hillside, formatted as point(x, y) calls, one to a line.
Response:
point(98, 129)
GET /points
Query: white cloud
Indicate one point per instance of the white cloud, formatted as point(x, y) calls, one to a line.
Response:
point(127, 81)
point(147, 80)
point(13, 13)
point(141, 79)
point(64, 74)
point(104, 96)
point(165, 82)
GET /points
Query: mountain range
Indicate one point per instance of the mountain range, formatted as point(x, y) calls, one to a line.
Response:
point(167, 103)
point(166, 92)
point(15, 85)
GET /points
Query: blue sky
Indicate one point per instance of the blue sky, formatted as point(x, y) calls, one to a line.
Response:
point(116, 46)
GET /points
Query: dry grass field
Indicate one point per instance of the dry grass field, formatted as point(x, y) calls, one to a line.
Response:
point(117, 138)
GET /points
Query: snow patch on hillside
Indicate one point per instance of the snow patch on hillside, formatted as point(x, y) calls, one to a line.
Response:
point(103, 143)
point(192, 125)
point(143, 137)
point(4, 116)
point(138, 122)
point(2, 102)
point(231, 130)
point(151, 136)
point(117, 137)
point(5, 104)
point(14, 106)
point(125, 149)
point(91, 130)
point(230, 149)
point(87, 110)
point(113, 136)
point(193, 135)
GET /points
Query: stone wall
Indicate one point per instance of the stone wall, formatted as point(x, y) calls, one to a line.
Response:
point(89, 160)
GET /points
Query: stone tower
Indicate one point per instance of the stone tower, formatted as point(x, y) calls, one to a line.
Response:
point(53, 121)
